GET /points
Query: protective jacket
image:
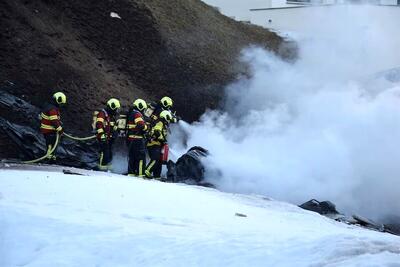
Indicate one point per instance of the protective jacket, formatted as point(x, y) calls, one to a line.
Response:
point(158, 134)
point(104, 126)
point(136, 126)
point(50, 120)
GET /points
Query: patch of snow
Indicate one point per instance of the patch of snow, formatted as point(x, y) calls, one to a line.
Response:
point(53, 219)
point(114, 15)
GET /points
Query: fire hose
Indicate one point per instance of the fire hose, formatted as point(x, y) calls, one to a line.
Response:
point(49, 152)
point(79, 138)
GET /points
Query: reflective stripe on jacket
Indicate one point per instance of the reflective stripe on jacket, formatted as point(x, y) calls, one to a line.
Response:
point(50, 121)
point(136, 127)
point(104, 125)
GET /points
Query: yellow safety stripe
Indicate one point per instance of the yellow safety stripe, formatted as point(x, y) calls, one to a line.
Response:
point(131, 126)
point(140, 168)
point(47, 127)
point(154, 143)
point(50, 118)
point(148, 169)
point(100, 130)
point(49, 147)
point(135, 136)
point(44, 116)
point(138, 119)
point(59, 128)
point(103, 167)
point(99, 120)
point(152, 163)
point(147, 173)
point(101, 158)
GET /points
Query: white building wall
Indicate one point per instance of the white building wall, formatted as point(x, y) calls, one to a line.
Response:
point(388, 2)
point(284, 3)
point(240, 9)
point(308, 18)
point(278, 3)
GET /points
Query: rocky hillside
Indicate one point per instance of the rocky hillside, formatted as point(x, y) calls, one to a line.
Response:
point(181, 48)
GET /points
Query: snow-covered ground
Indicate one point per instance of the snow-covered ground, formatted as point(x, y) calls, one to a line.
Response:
point(53, 219)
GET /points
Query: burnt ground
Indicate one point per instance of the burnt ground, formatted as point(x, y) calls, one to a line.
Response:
point(181, 48)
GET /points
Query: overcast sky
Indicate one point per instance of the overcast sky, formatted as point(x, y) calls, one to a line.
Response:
point(237, 8)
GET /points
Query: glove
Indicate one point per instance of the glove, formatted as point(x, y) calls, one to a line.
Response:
point(156, 134)
point(60, 130)
point(103, 138)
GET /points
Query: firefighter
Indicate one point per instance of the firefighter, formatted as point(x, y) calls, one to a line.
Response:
point(50, 124)
point(158, 137)
point(165, 103)
point(136, 131)
point(105, 123)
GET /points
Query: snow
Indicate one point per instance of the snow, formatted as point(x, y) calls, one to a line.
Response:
point(114, 15)
point(53, 219)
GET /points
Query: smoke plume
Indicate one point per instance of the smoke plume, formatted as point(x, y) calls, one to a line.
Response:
point(323, 127)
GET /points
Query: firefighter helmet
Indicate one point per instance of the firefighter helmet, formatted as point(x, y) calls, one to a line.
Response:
point(140, 104)
point(60, 98)
point(113, 104)
point(166, 102)
point(166, 115)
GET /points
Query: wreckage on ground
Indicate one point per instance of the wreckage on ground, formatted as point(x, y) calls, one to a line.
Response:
point(189, 167)
point(328, 209)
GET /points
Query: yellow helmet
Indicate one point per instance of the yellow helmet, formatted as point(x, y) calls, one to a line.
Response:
point(113, 104)
point(60, 98)
point(166, 115)
point(166, 102)
point(140, 104)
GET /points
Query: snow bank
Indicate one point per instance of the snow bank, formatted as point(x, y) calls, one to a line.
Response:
point(52, 219)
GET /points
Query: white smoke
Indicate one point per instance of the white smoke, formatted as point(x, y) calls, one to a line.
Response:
point(314, 128)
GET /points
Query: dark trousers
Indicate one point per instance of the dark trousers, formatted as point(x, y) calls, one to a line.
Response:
point(155, 165)
point(137, 157)
point(105, 155)
point(50, 142)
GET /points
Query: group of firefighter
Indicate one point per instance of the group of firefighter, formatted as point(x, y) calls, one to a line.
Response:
point(143, 133)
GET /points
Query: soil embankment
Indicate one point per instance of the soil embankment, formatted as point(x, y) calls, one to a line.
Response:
point(181, 48)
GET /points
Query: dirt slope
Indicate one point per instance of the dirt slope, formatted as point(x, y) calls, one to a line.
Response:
point(181, 48)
